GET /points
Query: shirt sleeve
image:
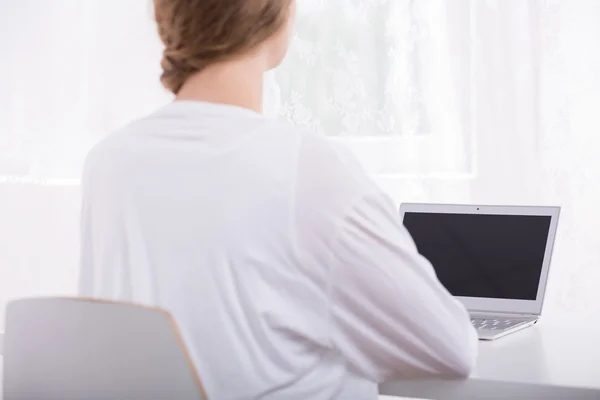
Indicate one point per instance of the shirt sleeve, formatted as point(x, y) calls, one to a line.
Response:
point(390, 316)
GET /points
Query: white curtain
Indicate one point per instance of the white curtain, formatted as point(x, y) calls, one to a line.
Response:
point(487, 101)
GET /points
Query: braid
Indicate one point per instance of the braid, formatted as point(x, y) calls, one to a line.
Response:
point(176, 71)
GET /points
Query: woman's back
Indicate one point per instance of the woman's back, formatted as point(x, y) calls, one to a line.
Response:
point(239, 225)
point(192, 209)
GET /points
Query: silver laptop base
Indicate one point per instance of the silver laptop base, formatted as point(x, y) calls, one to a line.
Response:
point(492, 327)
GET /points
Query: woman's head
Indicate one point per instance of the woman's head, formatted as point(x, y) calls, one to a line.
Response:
point(199, 33)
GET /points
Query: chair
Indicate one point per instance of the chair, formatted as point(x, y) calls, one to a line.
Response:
point(76, 349)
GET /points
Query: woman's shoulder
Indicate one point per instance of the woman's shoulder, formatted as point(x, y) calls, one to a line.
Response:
point(331, 160)
point(330, 174)
point(314, 147)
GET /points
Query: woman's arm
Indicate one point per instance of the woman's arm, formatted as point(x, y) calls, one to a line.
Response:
point(391, 318)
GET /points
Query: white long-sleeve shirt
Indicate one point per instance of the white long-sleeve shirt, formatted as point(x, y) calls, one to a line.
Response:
point(287, 269)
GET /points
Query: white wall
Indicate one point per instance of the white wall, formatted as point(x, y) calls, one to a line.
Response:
point(39, 228)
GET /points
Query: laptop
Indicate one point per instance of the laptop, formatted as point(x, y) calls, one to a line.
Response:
point(494, 259)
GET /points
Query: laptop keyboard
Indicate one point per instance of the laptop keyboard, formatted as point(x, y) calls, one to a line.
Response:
point(492, 324)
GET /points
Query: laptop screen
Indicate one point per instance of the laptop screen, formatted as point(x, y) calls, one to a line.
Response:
point(486, 256)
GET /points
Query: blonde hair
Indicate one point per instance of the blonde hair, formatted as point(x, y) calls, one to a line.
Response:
point(197, 33)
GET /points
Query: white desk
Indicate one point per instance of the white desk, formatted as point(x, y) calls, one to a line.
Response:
point(556, 359)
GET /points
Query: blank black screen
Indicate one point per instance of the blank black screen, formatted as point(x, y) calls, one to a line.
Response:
point(489, 256)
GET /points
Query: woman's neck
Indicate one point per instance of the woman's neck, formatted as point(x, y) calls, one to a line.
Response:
point(237, 83)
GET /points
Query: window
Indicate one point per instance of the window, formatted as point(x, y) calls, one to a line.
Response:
point(378, 76)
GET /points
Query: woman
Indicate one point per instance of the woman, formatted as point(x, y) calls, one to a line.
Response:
point(288, 270)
